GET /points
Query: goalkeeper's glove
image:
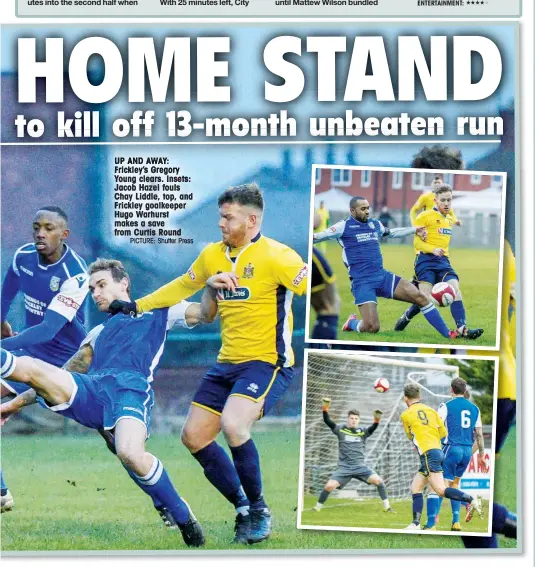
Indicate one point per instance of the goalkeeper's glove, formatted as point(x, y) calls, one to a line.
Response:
point(377, 415)
point(325, 403)
point(126, 307)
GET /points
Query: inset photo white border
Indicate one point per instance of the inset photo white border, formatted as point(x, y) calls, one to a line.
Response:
point(375, 339)
point(401, 362)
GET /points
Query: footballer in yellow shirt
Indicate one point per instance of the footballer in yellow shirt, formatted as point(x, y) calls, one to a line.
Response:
point(432, 263)
point(253, 279)
point(425, 428)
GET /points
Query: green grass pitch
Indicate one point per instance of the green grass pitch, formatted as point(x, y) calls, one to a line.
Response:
point(478, 272)
point(72, 494)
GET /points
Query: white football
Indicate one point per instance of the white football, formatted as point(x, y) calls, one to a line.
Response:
point(443, 294)
point(381, 385)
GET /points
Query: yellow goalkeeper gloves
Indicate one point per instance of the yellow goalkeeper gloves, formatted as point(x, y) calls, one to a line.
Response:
point(325, 403)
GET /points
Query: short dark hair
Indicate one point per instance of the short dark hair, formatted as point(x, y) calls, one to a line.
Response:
point(411, 391)
point(353, 412)
point(355, 200)
point(458, 386)
point(115, 267)
point(443, 188)
point(437, 157)
point(248, 194)
point(60, 212)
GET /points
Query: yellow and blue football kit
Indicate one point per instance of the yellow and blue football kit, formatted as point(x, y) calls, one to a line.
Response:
point(428, 267)
point(426, 202)
point(424, 427)
point(256, 357)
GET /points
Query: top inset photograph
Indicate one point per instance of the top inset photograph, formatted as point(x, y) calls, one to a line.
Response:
point(406, 257)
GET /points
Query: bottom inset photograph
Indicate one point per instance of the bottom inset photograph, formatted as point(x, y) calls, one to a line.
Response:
point(397, 443)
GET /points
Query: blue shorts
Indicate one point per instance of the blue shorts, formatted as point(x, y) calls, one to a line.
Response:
point(254, 380)
point(99, 401)
point(367, 291)
point(456, 459)
point(431, 462)
point(434, 269)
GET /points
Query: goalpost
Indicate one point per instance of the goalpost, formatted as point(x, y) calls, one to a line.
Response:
point(348, 379)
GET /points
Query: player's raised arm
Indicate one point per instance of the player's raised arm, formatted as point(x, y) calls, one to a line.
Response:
point(334, 231)
point(189, 315)
point(177, 290)
point(62, 310)
point(415, 209)
point(325, 404)
point(377, 415)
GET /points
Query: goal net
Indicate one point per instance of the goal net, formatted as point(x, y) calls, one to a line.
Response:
point(348, 380)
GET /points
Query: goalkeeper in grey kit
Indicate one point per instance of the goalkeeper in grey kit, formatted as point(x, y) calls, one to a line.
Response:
point(351, 461)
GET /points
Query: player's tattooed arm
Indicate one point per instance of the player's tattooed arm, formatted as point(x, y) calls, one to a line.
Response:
point(81, 361)
point(478, 434)
point(11, 407)
point(204, 312)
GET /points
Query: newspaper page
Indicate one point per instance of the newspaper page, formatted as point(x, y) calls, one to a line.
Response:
point(266, 280)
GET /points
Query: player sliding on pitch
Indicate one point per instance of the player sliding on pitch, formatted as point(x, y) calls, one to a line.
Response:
point(433, 264)
point(424, 427)
point(107, 383)
point(359, 236)
point(351, 461)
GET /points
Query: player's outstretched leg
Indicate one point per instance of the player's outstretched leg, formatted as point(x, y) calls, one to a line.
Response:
point(5, 496)
point(376, 480)
point(163, 512)
point(406, 291)
point(417, 509)
point(153, 478)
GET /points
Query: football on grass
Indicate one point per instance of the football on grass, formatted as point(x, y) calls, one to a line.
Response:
point(443, 294)
point(381, 385)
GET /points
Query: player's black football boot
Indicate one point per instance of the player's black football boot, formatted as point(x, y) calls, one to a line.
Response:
point(465, 333)
point(167, 518)
point(402, 323)
point(192, 533)
point(241, 528)
point(260, 525)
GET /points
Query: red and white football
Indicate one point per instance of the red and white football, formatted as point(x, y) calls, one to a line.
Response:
point(381, 385)
point(443, 294)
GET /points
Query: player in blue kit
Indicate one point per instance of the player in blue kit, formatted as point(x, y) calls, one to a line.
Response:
point(108, 385)
point(462, 419)
point(53, 279)
point(360, 238)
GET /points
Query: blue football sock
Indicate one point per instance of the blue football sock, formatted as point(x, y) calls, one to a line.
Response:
point(456, 511)
point(458, 313)
point(156, 483)
point(323, 496)
point(155, 500)
point(247, 463)
point(221, 472)
point(435, 318)
point(353, 324)
point(7, 363)
point(325, 327)
point(432, 510)
point(3, 487)
point(456, 494)
point(417, 507)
